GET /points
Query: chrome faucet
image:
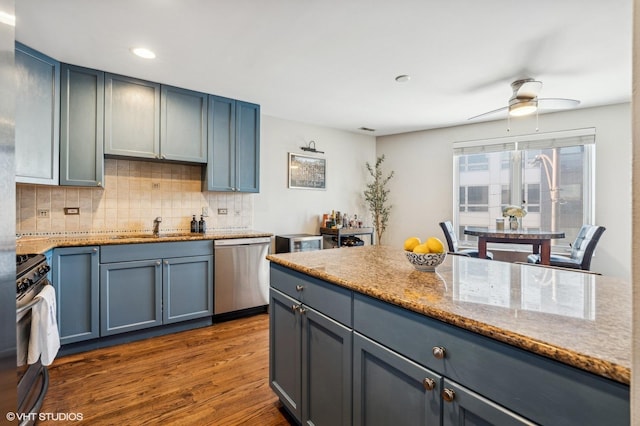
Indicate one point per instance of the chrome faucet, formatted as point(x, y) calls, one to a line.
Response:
point(156, 226)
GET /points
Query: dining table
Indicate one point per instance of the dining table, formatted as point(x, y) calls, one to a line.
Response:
point(540, 240)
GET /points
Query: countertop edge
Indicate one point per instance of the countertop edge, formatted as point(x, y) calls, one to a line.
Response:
point(593, 365)
point(30, 245)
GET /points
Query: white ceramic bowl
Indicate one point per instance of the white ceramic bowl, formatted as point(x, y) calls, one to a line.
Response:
point(425, 261)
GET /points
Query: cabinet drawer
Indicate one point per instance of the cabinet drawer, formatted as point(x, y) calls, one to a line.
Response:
point(517, 379)
point(144, 251)
point(332, 300)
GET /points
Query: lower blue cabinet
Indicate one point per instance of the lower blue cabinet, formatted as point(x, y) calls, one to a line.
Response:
point(138, 290)
point(130, 296)
point(75, 277)
point(310, 362)
point(389, 389)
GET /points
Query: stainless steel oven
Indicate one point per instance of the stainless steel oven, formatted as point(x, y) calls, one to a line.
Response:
point(33, 379)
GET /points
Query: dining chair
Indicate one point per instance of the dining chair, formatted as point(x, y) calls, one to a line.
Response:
point(581, 250)
point(452, 242)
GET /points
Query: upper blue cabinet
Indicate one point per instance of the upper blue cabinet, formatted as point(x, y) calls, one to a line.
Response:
point(234, 146)
point(81, 127)
point(131, 117)
point(153, 121)
point(37, 116)
point(183, 121)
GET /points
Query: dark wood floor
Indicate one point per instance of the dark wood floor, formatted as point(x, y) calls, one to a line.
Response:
point(215, 375)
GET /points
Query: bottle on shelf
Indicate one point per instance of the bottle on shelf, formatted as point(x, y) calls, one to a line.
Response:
point(202, 225)
point(194, 225)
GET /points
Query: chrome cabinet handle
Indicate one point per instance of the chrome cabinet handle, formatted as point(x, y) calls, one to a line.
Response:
point(448, 394)
point(299, 287)
point(429, 384)
point(438, 352)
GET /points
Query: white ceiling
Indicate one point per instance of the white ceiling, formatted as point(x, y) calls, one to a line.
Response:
point(333, 62)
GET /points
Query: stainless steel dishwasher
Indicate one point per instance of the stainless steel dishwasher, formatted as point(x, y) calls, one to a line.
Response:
point(241, 275)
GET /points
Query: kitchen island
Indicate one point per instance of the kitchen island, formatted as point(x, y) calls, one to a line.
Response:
point(532, 344)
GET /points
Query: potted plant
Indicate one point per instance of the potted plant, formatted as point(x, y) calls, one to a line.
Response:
point(376, 196)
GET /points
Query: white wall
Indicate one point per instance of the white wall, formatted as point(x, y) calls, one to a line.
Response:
point(421, 191)
point(281, 210)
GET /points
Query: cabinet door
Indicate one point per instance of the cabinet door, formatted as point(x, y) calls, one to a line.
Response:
point(247, 147)
point(389, 389)
point(220, 173)
point(326, 370)
point(183, 120)
point(285, 331)
point(37, 116)
point(131, 117)
point(74, 275)
point(81, 127)
point(187, 288)
point(464, 407)
point(130, 296)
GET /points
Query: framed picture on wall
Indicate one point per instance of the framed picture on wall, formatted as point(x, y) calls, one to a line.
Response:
point(307, 172)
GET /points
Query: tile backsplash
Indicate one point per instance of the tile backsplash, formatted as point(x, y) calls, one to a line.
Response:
point(135, 193)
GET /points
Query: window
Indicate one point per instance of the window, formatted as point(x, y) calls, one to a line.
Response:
point(550, 174)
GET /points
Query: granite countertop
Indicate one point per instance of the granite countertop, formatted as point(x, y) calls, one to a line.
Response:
point(28, 245)
point(579, 319)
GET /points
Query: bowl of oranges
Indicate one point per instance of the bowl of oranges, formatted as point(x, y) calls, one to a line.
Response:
point(424, 256)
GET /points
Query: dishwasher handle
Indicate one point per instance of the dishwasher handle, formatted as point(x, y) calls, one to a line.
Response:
point(241, 241)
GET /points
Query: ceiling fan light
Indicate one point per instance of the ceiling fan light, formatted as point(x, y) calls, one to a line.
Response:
point(520, 109)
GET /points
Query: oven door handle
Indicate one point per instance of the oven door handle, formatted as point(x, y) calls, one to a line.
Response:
point(29, 305)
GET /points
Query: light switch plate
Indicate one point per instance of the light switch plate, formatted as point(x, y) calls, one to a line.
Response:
point(222, 211)
point(71, 210)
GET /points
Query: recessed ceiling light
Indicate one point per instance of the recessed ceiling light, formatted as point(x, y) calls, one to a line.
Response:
point(403, 78)
point(143, 52)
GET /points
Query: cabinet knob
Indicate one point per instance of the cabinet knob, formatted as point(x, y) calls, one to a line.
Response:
point(448, 394)
point(158, 263)
point(438, 352)
point(295, 307)
point(301, 310)
point(166, 262)
point(429, 384)
point(299, 287)
point(99, 184)
point(95, 250)
point(163, 157)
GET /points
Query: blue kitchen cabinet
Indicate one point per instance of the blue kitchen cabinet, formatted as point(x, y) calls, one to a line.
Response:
point(310, 352)
point(75, 277)
point(37, 117)
point(183, 121)
point(147, 285)
point(130, 296)
point(147, 120)
point(81, 127)
point(234, 146)
point(389, 389)
point(490, 382)
point(131, 117)
point(187, 288)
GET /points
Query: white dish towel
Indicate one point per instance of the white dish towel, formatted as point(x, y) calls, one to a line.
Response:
point(44, 340)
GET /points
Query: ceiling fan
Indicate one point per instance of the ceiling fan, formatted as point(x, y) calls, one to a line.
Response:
point(525, 101)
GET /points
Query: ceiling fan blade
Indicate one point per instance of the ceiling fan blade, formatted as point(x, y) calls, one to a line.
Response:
point(484, 114)
point(528, 89)
point(557, 103)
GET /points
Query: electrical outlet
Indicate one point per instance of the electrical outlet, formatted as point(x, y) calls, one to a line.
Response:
point(205, 211)
point(155, 185)
point(43, 212)
point(222, 211)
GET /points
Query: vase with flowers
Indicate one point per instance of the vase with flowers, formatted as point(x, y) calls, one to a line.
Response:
point(515, 214)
